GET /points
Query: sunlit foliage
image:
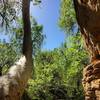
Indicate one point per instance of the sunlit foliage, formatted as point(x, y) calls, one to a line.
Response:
point(58, 73)
point(67, 15)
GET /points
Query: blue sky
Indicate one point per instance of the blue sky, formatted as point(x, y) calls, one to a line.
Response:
point(47, 14)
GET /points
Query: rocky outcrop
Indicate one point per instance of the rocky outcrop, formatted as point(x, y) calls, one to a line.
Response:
point(88, 18)
point(91, 81)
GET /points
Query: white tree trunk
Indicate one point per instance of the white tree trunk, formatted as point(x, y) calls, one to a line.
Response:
point(12, 84)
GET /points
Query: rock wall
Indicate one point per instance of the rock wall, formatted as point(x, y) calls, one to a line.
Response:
point(88, 18)
point(91, 81)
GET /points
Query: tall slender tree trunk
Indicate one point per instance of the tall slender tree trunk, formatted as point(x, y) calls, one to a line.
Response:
point(88, 17)
point(0, 70)
point(27, 41)
point(12, 84)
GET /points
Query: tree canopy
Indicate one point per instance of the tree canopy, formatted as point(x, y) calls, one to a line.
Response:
point(67, 18)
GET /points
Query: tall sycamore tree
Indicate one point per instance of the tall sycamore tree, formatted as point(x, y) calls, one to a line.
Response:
point(12, 84)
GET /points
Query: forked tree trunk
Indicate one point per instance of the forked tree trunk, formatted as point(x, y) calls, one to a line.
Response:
point(88, 17)
point(12, 84)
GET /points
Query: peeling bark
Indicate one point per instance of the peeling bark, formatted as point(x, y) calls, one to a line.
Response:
point(13, 83)
point(88, 18)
